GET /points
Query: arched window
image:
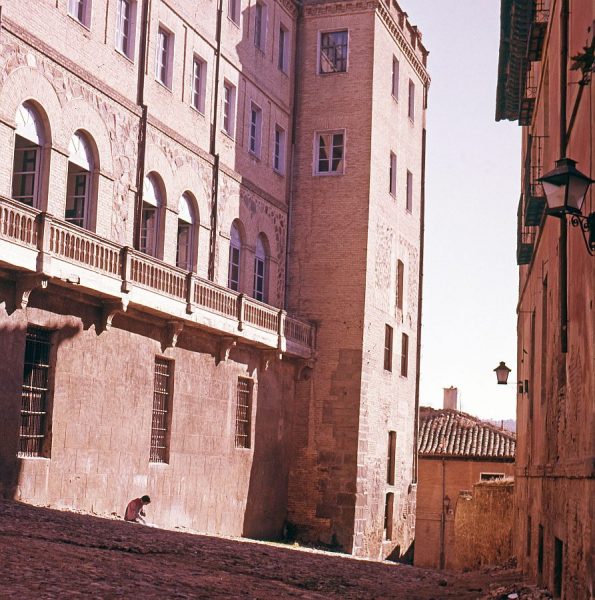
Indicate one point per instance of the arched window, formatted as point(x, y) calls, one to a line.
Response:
point(29, 139)
point(235, 249)
point(152, 203)
point(79, 187)
point(260, 270)
point(186, 233)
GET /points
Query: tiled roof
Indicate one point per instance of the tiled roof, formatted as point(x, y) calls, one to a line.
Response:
point(448, 432)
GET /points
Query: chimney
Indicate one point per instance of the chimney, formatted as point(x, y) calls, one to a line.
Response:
point(451, 398)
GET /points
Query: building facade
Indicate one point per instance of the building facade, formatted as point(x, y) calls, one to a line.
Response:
point(176, 180)
point(456, 452)
point(544, 82)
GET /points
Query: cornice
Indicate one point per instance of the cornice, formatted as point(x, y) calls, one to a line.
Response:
point(402, 42)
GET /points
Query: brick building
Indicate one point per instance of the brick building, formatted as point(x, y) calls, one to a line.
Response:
point(456, 451)
point(211, 242)
point(543, 86)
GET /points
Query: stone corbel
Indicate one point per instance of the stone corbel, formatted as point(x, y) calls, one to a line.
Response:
point(304, 369)
point(26, 284)
point(269, 356)
point(172, 331)
point(110, 310)
point(225, 346)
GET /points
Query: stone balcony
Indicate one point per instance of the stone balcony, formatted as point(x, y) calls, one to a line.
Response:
point(40, 248)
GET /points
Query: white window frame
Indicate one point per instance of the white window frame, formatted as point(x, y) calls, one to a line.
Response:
point(330, 172)
point(395, 78)
point(255, 130)
point(393, 175)
point(164, 56)
point(260, 25)
point(283, 49)
point(187, 223)
point(80, 11)
point(19, 173)
point(229, 104)
point(279, 149)
point(198, 83)
point(234, 11)
point(321, 35)
point(125, 28)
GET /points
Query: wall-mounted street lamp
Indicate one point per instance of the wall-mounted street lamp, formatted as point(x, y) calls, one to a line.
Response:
point(502, 372)
point(565, 189)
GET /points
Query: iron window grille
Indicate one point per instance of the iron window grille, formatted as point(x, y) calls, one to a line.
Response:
point(161, 410)
point(35, 392)
point(243, 413)
point(333, 52)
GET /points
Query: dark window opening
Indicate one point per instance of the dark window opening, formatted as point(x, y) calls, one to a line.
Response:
point(243, 413)
point(161, 409)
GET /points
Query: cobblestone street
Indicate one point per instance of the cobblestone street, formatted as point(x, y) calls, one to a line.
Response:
point(54, 554)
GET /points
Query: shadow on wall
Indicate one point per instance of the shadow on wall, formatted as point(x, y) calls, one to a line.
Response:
point(266, 500)
point(28, 348)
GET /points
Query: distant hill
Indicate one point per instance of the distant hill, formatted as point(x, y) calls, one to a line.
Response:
point(508, 424)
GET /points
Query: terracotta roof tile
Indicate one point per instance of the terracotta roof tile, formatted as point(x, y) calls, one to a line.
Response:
point(448, 432)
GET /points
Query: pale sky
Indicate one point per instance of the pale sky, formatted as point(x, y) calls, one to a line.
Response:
point(472, 193)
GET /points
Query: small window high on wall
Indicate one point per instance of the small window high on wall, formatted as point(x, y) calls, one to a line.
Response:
point(27, 163)
point(79, 185)
point(152, 202)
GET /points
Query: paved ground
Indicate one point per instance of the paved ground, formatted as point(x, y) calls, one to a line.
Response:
point(54, 554)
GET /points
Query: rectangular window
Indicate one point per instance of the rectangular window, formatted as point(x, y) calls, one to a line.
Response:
point(333, 52)
point(409, 205)
point(395, 79)
point(388, 516)
point(558, 567)
point(80, 10)
point(388, 348)
point(404, 354)
point(233, 11)
point(283, 61)
point(35, 393)
point(255, 141)
point(199, 72)
point(260, 25)
point(392, 186)
point(279, 150)
point(243, 413)
point(125, 18)
point(259, 278)
point(392, 450)
point(528, 536)
point(229, 102)
point(540, 551)
point(163, 62)
point(25, 177)
point(411, 112)
point(329, 149)
point(400, 284)
point(162, 388)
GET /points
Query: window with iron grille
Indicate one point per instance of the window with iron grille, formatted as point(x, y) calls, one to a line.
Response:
point(34, 399)
point(243, 413)
point(162, 387)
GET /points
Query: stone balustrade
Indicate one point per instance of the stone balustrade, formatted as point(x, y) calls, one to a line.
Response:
point(37, 242)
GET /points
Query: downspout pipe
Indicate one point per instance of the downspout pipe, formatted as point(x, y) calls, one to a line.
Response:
point(213, 150)
point(142, 130)
point(296, 65)
point(564, 20)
